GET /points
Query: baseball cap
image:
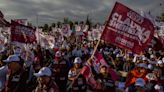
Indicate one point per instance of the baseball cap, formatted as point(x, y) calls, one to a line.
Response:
point(151, 76)
point(45, 71)
point(159, 62)
point(163, 59)
point(143, 65)
point(77, 60)
point(152, 56)
point(150, 49)
point(12, 58)
point(150, 66)
point(140, 82)
point(118, 55)
point(58, 54)
point(144, 58)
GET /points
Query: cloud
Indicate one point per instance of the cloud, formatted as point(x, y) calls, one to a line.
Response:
point(49, 11)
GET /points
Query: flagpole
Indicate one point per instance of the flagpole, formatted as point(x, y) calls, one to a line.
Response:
point(37, 29)
point(92, 56)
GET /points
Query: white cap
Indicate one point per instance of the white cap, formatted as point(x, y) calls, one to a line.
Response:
point(12, 58)
point(140, 82)
point(160, 62)
point(77, 60)
point(152, 56)
point(157, 87)
point(143, 65)
point(150, 66)
point(151, 76)
point(58, 54)
point(150, 49)
point(163, 59)
point(118, 55)
point(144, 58)
point(45, 71)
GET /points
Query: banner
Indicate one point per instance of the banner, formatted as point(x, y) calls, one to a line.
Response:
point(65, 31)
point(156, 44)
point(45, 40)
point(21, 21)
point(21, 33)
point(127, 29)
point(96, 34)
point(97, 61)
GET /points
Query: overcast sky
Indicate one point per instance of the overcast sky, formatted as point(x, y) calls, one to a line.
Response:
point(49, 11)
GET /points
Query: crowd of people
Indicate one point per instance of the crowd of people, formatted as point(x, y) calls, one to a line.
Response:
point(60, 69)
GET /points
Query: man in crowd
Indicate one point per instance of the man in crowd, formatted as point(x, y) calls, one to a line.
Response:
point(60, 69)
point(105, 79)
point(16, 78)
point(45, 82)
point(73, 72)
point(139, 71)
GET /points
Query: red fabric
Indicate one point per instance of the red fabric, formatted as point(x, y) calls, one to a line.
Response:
point(85, 71)
point(113, 74)
point(127, 29)
point(156, 44)
point(56, 49)
point(21, 21)
point(21, 33)
point(99, 58)
point(56, 58)
point(133, 75)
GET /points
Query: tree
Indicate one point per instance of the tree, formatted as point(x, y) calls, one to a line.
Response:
point(162, 17)
point(88, 22)
point(53, 25)
point(66, 20)
point(29, 24)
point(45, 27)
point(76, 23)
point(71, 24)
point(58, 24)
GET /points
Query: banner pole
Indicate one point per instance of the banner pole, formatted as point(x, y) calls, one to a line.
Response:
point(88, 61)
point(94, 51)
point(38, 29)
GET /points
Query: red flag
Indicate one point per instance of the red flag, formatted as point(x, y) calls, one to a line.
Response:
point(21, 21)
point(127, 29)
point(86, 71)
point(65, 31)
point(97, 61)
point(156, 44)
point(21, 33)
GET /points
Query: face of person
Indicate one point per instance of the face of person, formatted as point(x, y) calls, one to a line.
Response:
point(13, 65)
point(77, 65)
point(138, 88)
point(141, 70)
point(156, 72)
point(44, 79)
point(103, 70)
